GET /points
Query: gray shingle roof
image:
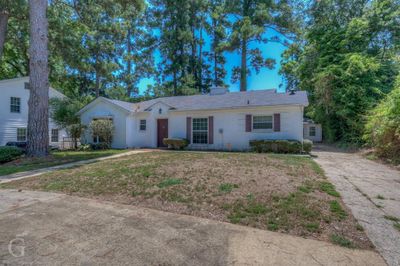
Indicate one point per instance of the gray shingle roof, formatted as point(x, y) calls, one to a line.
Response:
point(225, 101)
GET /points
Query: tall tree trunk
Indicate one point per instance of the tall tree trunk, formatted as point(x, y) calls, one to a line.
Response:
point(243, 68)
point(215, 44)
point(97, 84)
point(38, 115)
point(129, 64)
point(200, 75)
point(3, 29)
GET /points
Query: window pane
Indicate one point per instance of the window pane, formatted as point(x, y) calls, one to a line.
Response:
point(200, 137)
point(15, 105)
point(54, 135)
point(262, 122)
point(142, 125)
point(200, 124)
point(200, 130)
point(312, 132)
point(21, 134)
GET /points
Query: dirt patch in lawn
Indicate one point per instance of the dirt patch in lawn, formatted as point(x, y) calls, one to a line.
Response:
point(282, 193)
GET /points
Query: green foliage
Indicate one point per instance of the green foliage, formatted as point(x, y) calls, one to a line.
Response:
point(170, 182)
point(346, 61)
point(103, 129)
point(397, 226)
point(328, 188)
point(8, 154)
point(307, 145)
point(227, 187)
point(98, 146)
point(341, 241)
point(280, 146)
point(391, 218)
point(64, 114)
point(246, 209)
point(383, 126)
point(251, 19)
point(175, 143)
point(337, 209)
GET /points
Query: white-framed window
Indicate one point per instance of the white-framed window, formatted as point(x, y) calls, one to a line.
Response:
point(200, 130)
point(15, 105)
point(142, 125)
point(54, 135)
point(312, 132)
point(262, 122)
point(21, 134)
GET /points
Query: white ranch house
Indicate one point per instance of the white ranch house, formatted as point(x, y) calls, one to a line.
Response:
point(220, 120)
point(14, 112)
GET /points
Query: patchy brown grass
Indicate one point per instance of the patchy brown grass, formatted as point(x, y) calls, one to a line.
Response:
point(282, 193)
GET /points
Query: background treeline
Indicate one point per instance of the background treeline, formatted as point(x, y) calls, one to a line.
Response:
point(105, 47)
point(345, 53)
point(347, 58)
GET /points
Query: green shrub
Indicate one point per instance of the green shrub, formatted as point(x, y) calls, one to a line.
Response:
point(307, 145)
point(280, 146)
point(8, 154)
point(103, 129)
point(100, 146)
point(176, 143)
point(85, 147)
point(383, 126)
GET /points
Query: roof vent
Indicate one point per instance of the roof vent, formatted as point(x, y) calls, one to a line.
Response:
point(292, 92)
point(218, 90)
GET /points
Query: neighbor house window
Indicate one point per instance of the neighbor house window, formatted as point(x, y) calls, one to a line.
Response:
point(312, 132)
point(262, 122)
point(21, 134)
point(54, 135)
point(15, 105)
point(200, 130)
point(142, 126)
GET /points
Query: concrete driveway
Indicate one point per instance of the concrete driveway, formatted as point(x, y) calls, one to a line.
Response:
point(372, 191)
point(53, 229)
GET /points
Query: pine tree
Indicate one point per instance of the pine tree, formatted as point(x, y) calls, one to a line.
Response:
point(38, 116)
point(251, 20)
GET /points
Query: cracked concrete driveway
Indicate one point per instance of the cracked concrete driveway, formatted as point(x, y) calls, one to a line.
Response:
point(372, 192)
point(53, 229)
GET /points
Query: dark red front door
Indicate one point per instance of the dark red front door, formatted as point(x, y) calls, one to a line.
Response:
point(162, 131)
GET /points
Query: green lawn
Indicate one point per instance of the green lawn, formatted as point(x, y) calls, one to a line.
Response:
point(55, 158)
point(282, 193)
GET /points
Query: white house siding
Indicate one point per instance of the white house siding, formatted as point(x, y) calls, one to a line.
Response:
point(119, 116)
point(9, 122)
point(232, 123)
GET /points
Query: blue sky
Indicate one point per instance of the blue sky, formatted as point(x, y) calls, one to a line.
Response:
point(266, 79)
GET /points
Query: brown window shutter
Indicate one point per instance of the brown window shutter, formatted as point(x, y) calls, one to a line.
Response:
point(189, 129)
point(211, 130)
point(248, 123)
point(277, 122)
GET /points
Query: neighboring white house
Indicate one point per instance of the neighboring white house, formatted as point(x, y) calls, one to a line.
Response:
point(220, 120)
point(312, 131)
point(14, 112)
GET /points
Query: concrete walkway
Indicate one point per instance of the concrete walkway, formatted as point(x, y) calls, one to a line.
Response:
point(38, 228)
point(22, 175)
point(372, 191)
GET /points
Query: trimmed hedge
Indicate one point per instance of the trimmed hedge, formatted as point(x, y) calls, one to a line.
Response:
point(176, 144)
point(8, 153)
point(100, 146)
point(281, 146)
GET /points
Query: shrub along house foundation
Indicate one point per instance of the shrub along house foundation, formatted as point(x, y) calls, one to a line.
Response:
point(220, 120)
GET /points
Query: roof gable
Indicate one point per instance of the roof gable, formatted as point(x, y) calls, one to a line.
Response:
point(124, 106)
